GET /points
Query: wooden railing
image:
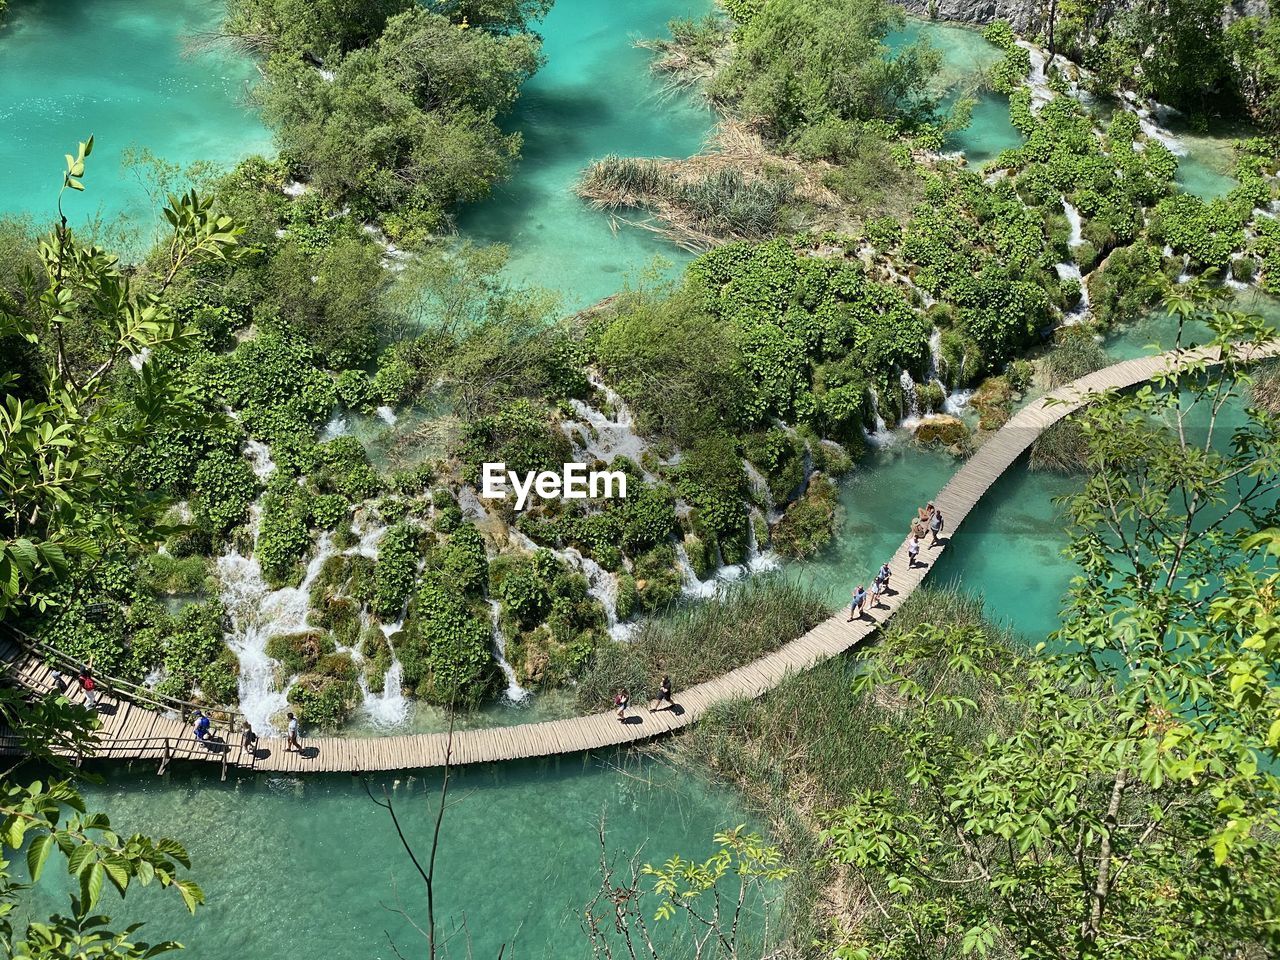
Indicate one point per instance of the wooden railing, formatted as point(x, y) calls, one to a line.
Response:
point(232, 720)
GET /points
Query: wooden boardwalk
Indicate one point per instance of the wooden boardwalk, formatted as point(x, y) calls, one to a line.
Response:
point(132, 731)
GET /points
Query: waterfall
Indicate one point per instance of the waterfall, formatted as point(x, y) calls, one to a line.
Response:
point(693, 587)
point(602, 585)
point(1069, 271)
point(336, 427)
point(390, 708)
point(603, 438)
point(1077, 224)
point(387, 415)
point(515, 692)
point(910, 399)
point(757, 561)
point(880, 435)
point(1038, 78)
point(257, 613)
point(760, 487)
point(259, 456)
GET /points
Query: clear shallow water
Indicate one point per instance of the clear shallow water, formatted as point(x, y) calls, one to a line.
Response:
point(114, 68)
point(965, 54)
point(596, 95)
point(300, 868)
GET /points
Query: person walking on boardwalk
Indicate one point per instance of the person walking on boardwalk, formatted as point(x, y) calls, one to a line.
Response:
point(883, 576)
point(293, 746)
point(249, 740)
point(662, 696)
point(89, 687)
point(878, 588)
point(936, 524)
point(202, 726)
point(913, 550)
point(856, 603)
point(620, 702)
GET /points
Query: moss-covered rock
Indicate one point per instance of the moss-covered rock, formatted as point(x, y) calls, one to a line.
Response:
point(941, 429)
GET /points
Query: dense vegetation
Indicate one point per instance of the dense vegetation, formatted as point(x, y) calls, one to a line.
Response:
point(392, 108)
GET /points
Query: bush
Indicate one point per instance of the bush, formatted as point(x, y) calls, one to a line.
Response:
point(808, 523)
point(445, 648)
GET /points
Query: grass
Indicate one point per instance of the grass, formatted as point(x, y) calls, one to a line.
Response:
point(809, 743)
point(700, 642)
point(1062, 448)
point(1264, 391)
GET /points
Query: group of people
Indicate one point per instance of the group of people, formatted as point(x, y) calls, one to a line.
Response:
point(928, 520)
point(622, 700)
point(248, 739)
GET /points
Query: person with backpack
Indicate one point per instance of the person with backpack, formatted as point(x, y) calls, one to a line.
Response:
point(89, 687)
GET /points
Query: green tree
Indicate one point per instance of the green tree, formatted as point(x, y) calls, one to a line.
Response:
point(70, 497)
point(69, 484)
point(1125, 801)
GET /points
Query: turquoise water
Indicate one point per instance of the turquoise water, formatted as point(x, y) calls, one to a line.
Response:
point(296, 868)
point(595, 96)
point(1008, 550)
point(965, 54)
point(114, 68)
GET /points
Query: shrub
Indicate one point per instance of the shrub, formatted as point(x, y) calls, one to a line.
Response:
point(807, 524)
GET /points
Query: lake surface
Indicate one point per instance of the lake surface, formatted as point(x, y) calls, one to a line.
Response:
point(115, 69)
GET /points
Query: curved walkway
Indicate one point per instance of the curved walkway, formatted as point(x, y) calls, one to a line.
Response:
point(137, 732)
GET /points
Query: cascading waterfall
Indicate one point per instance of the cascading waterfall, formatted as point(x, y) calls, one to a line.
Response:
point(760, 487)
point(602, 437)
point(1038, 78)
point(1069, 271)
point(1076, 222)
point(880, 434)
point(601, 585)
point(910, 399)
point(693, 587)
point(257, 613)
point(390, 708)
point(515, 692)
point(387, 415)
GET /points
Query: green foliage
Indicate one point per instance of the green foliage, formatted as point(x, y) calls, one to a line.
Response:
point(521, 435)
point(680, 372)
point(711, 478)
point(325, 701)
point(330, 299)
point(444, 648)
point(807, 524)
point(396, 572)
point(345, 469)
point(1126, 285)
point(284, 536)
point(799, 62)
point(406, 127)
point(69, 487)
point(1097, 748)
point(225, 488)
point(1210, 232)
point(462, 562)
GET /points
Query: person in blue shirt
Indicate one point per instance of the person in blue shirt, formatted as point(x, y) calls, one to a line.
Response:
point(202, 726)
point(857, 602)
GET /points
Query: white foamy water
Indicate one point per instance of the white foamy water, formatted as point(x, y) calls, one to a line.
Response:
point(257, 613)
point(1070, 271)
point(387, 415)
point(259, 456)
point(515, 693)
point(1077, 224)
